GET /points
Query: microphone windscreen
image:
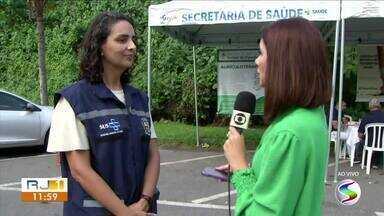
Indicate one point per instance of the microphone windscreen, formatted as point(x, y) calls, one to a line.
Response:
point(245, 102)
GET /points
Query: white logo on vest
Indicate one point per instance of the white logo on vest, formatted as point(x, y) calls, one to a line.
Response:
point(112, 124)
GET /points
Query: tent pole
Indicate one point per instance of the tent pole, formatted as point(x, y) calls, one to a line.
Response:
point(195, 86)
point(149, 69)
point(328, 34)
point(334, 71)
point(337, 146)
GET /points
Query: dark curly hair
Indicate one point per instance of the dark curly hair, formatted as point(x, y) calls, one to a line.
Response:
point(91, 66)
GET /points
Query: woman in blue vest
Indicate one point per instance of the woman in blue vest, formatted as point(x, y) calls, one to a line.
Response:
point(103, 129)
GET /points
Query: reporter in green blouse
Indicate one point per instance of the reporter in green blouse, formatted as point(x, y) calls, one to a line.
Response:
point(286, 176)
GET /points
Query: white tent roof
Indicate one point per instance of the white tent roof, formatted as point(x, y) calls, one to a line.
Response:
point(364, 21)
point(362, 9)
point(235, 22)
point(206, 22)
point(239, 23)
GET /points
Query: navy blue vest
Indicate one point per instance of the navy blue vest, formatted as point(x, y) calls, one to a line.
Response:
point(119, 138)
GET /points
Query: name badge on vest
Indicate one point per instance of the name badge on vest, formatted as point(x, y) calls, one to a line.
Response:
point(146, 127)
point(110, 128)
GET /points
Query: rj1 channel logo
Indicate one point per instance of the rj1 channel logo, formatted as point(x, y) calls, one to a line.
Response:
point(44, 185)
point(348, 192)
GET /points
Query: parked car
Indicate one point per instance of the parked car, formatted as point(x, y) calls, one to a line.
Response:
point(23, 123)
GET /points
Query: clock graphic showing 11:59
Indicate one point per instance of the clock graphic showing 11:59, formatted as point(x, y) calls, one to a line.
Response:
point(44, 189)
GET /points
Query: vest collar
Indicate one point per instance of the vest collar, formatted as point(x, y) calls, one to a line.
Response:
point(101, 91)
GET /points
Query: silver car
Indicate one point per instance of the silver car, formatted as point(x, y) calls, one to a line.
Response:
point(23, 123)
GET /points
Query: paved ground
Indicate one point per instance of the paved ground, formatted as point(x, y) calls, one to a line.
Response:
point(183, 190)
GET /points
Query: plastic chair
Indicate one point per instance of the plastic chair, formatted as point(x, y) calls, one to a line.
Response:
point(377, 133)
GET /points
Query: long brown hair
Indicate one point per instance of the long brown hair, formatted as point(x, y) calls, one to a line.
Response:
point(297, 72)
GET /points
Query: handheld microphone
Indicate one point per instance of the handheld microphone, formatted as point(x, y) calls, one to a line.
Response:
point(243, 108)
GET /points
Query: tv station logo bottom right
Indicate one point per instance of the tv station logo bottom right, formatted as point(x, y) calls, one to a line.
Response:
point(348, 192)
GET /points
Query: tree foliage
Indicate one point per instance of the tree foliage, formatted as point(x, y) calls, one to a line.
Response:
point(36, 8)
point(65, 24)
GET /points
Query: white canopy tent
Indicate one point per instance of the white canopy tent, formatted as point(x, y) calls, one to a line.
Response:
point(236, 24)
point(231, 24)
point(221, 23)
point(362, 22)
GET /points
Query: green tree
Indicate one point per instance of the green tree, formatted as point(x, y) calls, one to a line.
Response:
point(65, 23)
point(37, 8)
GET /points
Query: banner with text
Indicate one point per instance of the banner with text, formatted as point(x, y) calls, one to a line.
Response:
point(370, 73)
point(236, 73)
point(176, 13)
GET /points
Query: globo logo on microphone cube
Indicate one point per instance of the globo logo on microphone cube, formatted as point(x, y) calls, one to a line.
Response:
point(240, 119)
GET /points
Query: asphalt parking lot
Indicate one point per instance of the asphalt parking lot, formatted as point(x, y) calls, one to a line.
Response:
point(183, 190)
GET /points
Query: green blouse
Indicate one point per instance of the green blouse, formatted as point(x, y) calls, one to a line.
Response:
point(287, 173)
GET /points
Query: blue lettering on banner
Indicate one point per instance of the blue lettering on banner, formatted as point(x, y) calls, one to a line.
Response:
point(203, 16)
point(164, 19)
point(230, 15)
point(283, 13)
point(183, 18)
point(299, 12)
point(257, 14)
point(212, 16)
point(191, 17)
point(241, 16)
point(216, 14)
point(222, 16)
point(320, 11)
point(173, 15)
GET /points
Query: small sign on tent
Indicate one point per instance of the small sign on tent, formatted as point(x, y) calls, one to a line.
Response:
point(370, 74)
point(236, 73)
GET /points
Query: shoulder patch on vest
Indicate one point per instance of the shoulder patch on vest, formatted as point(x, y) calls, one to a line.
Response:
point(146, 126)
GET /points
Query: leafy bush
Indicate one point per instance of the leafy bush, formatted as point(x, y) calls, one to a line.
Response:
point(65, 24)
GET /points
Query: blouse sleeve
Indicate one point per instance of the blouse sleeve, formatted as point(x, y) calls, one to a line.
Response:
point(281, 175)
point(67, 133)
